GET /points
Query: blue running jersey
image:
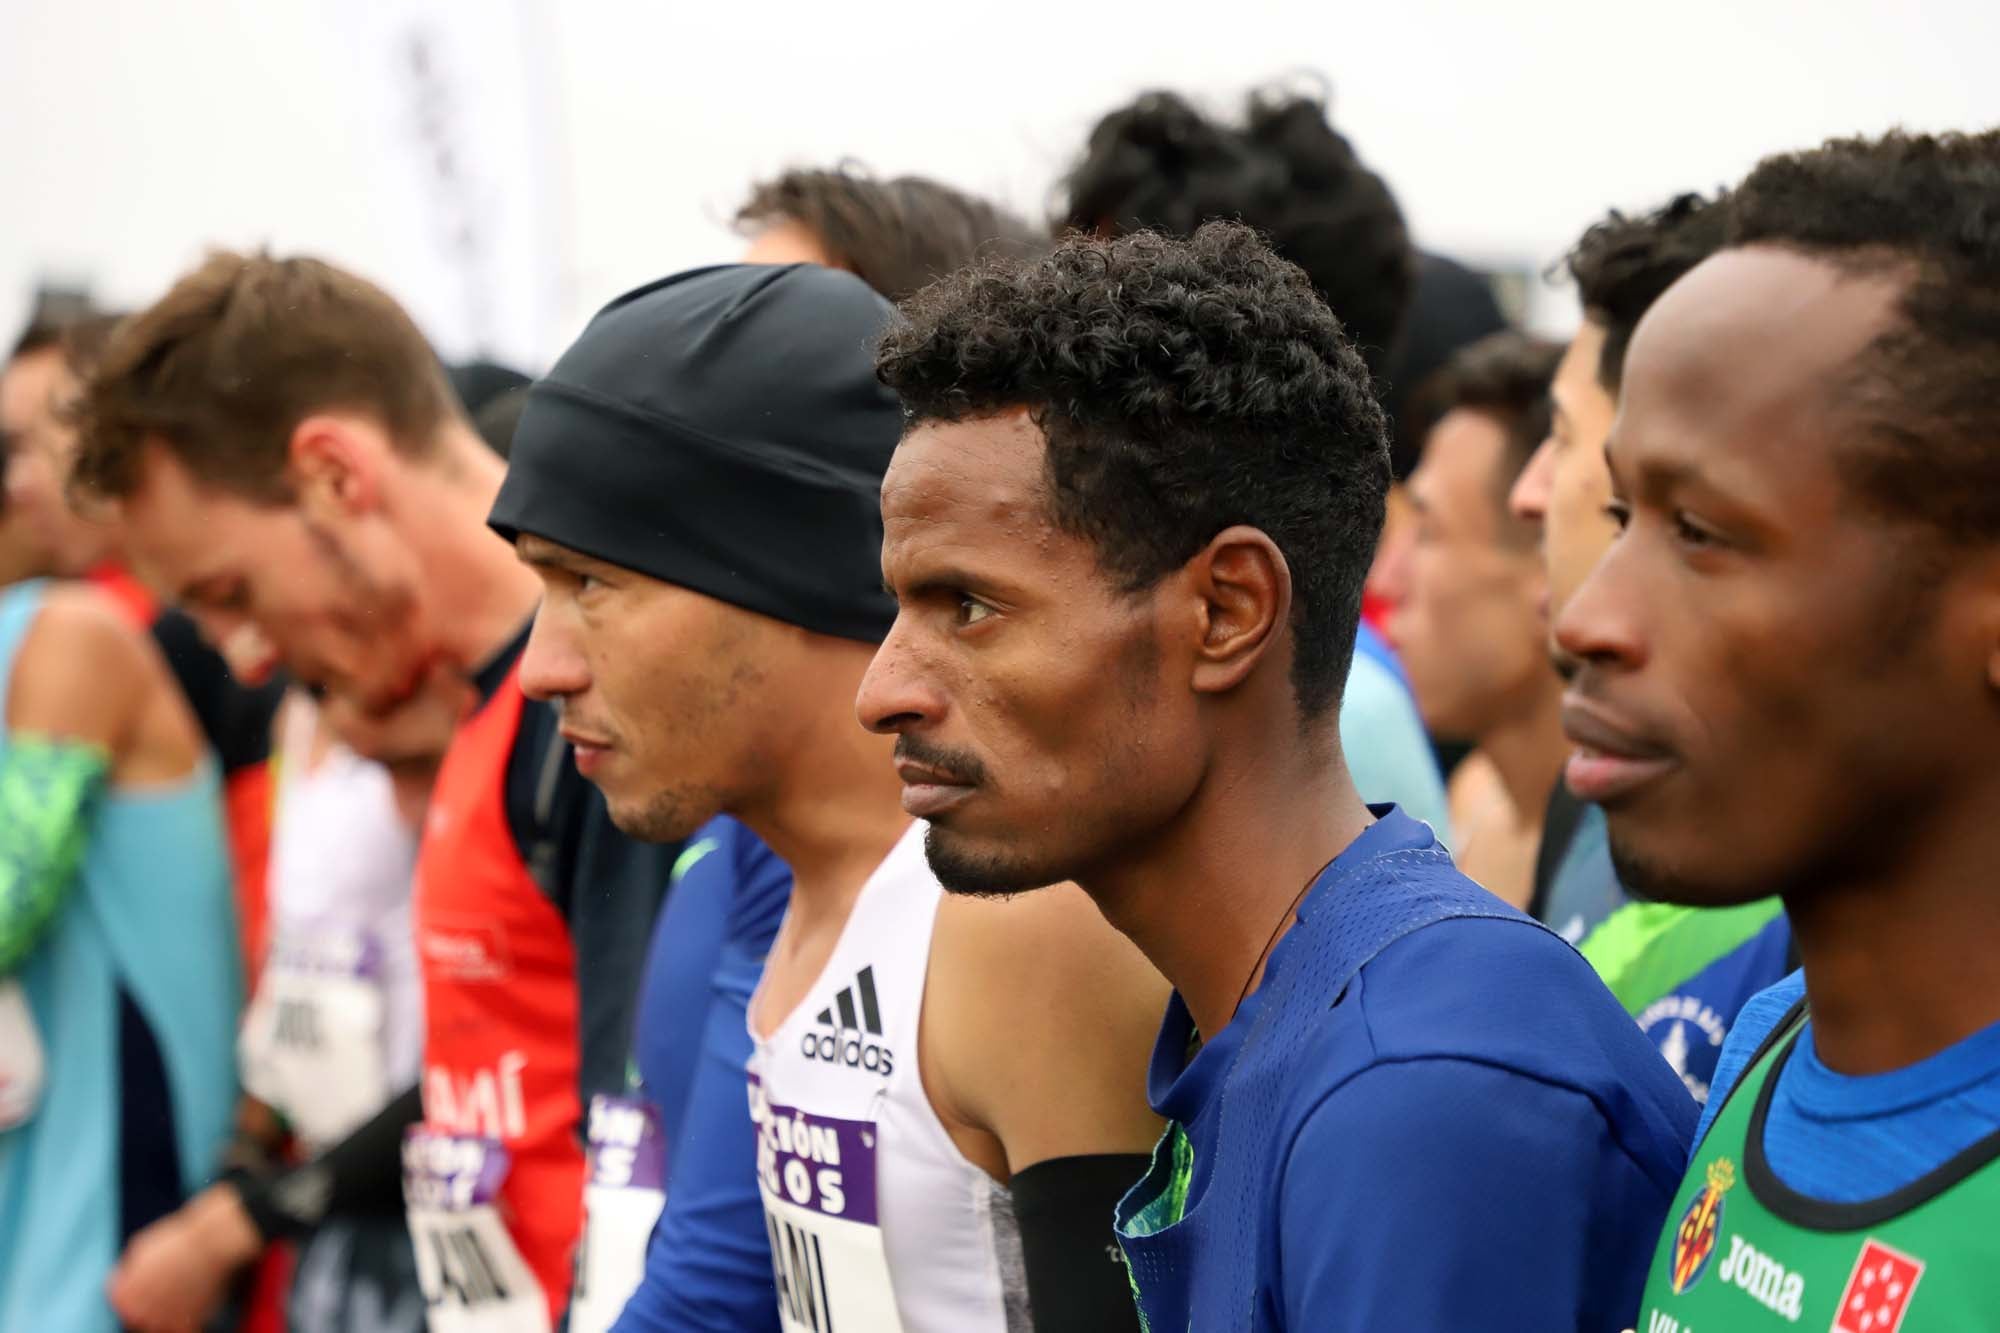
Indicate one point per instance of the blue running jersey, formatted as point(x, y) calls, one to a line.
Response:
point(1430, 1115)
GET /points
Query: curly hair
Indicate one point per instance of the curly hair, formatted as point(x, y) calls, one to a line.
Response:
point(1622, 264)
point(1159, 164)
point(895, 235)
point(1183, 386)
point(1922, 208)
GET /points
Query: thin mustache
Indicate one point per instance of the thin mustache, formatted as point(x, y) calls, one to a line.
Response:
point(964, 768)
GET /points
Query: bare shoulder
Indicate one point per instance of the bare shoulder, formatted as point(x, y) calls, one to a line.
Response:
point(87, 673)
point(1474, 793)
point(83, 670)
point(89, 615)
point(1051, 948)
point(1062, 1010)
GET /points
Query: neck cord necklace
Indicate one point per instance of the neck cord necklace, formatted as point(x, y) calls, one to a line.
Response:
point(1291, 913)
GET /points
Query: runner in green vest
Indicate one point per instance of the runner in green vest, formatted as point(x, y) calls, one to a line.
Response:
point(1790, 684)
point(1744, 1251)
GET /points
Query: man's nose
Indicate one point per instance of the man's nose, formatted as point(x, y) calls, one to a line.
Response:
point(1603, 621)
point(552, 665)
point(896, 695)
point(1529, 500)
point(1389, 577)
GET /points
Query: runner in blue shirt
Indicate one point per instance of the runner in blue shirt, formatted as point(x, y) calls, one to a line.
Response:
point(1127, 528)
point(708, 1263)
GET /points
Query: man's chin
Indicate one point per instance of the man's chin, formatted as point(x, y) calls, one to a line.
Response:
point(963, 868)
point(661, 817)
point(1656, 874)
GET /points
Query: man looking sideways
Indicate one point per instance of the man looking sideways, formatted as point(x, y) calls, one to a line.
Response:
point(1620, 266)
point(1127, 529)
point(729, 891)
point(1464, 595)
point(1682, 973)
point(945, 1093)
point(1790, 682)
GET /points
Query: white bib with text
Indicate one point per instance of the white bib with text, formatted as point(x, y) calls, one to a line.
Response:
point(474, 1279)
point(877, 1222)
point(622, 1197)
point(313, 1040)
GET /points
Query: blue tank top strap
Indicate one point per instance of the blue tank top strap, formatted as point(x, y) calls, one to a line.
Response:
point(18, 605)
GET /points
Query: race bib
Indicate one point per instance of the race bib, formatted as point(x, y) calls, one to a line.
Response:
point(21, 1070)
point(817, 1177)
point(474, 1279)
point(312, 1043)
point(622, 1198)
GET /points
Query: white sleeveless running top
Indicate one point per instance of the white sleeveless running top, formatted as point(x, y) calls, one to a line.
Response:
point(878, 1224)
point(336, 1027)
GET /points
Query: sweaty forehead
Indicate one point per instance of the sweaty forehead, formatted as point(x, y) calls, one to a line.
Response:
point(1754, 343)
point(965, 478)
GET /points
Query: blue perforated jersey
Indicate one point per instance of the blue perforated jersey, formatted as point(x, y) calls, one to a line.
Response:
point(1431, 1114)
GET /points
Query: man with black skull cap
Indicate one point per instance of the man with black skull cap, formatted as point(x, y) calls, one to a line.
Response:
point(946, 1092)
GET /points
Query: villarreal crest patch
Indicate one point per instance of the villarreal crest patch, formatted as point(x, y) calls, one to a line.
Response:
point(1701, 1224)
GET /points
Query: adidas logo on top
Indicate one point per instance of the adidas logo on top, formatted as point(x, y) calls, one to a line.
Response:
point(853, 1035)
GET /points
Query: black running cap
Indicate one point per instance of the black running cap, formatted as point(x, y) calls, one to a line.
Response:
point(722, 430)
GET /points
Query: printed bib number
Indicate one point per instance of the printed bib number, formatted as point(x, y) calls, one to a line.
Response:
point(622, 1198)
point(817, 1178)
point(21, 1068)
point(312, 1042)
point(473, 1278)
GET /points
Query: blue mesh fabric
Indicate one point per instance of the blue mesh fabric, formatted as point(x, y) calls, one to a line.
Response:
point(1203, 1273)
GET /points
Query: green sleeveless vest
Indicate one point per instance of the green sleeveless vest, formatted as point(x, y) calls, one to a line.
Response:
point(1744, 1253)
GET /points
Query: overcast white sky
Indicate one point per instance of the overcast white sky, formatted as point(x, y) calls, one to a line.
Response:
point(597, 143)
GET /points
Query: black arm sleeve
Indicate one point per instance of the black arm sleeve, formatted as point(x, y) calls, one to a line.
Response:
point(1076, 1276)
point(361, 1175)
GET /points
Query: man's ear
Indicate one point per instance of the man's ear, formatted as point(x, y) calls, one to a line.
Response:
point(335, 466)
point(1245, 588)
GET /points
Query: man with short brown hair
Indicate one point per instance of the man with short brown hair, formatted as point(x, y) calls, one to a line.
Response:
point(240, 349)
point(895, 235)
point(1464, 586)
point(289, 462)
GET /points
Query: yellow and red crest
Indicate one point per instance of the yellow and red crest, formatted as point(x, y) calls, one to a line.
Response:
point(1701, 1224)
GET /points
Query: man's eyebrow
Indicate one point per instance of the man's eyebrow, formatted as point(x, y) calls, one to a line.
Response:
point(940, 579)
point(535, 551)
point(1654, 473)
